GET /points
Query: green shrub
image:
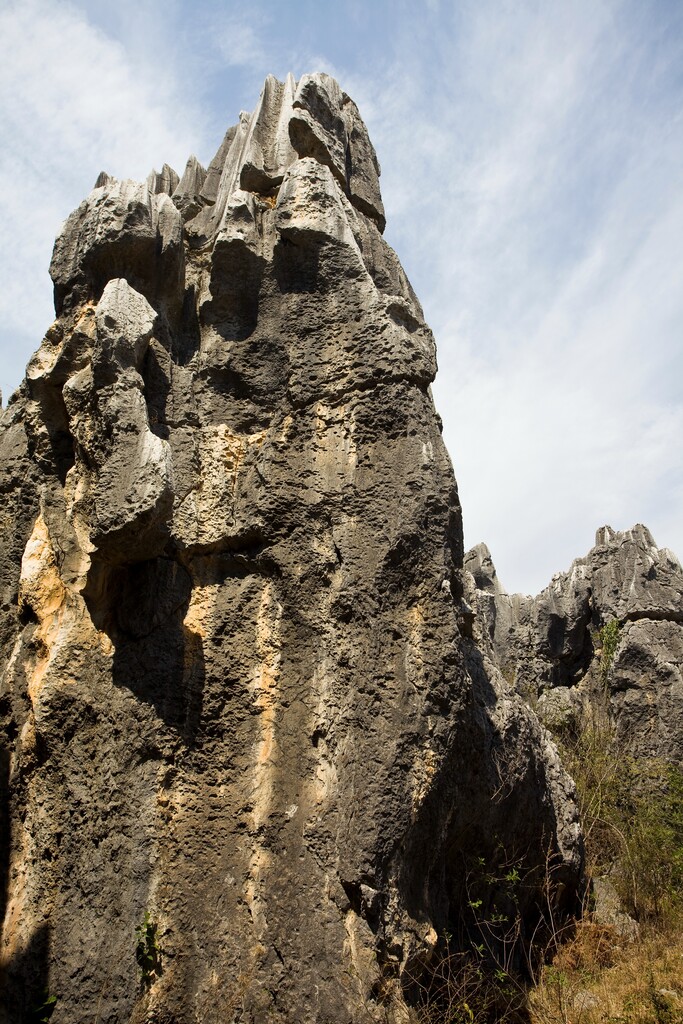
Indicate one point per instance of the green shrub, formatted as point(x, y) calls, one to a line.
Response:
point(632, 815)
point(41, 1014)
point(147, 950)
point(608, 638)
point(481, 973)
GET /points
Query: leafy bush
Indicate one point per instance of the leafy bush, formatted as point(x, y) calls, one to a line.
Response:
point(632, 815)
point(147, 950)
point(608, 639)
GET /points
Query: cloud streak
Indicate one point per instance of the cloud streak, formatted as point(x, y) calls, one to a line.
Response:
point(74, 104)
point(535, 199)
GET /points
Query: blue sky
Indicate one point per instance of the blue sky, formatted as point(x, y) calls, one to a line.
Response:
point(532, 157)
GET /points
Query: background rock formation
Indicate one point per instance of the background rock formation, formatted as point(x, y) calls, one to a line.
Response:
point(553, 646)
point(239, 689)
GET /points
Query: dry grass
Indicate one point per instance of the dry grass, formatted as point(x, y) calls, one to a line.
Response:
point(269, 200)
point(599, 978)
point(583, 972)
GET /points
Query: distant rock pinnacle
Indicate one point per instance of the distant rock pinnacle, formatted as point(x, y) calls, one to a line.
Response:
point(553, 644)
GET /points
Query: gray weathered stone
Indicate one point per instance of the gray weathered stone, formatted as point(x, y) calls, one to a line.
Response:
point(241, 687)
point(550, 644)
point(209, 191)
point(607, 910)
point(165, 181)
point(121, 230)
point(187, 195)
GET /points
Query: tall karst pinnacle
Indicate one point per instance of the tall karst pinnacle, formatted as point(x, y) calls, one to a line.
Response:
point(242, 709)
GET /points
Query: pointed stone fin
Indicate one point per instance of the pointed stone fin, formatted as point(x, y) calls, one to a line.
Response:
point(213, 175)
point(317, 127)
point(193, 177)
point(187, 196)
point(267, 151)
point(103, 179)
point(165, 180)
point(362, 166)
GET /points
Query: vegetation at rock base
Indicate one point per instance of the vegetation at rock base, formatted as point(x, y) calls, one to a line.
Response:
point(600, 978)
point(509, 922)
point(627, 971)
point(632, 814)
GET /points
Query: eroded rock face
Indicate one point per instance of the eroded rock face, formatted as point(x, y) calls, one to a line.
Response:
point(240, 691)
point(552, 644)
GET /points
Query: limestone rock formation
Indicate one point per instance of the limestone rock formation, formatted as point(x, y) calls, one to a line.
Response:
point(552, 645)
point(242, 710)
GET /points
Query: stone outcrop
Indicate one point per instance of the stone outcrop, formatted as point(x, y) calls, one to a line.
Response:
point(243, 710)
point(553, 646)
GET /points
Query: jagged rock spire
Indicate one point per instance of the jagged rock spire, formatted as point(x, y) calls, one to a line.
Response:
point(239, 688)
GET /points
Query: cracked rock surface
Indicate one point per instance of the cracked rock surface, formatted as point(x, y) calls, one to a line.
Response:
point(551, 645)
point(241, 693)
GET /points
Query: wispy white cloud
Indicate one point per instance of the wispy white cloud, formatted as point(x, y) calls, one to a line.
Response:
point(532, 180)
point(73, 104)
point(239, 44)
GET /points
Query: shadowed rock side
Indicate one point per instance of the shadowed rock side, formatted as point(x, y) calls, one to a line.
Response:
point(553, 646)
point(238, 689)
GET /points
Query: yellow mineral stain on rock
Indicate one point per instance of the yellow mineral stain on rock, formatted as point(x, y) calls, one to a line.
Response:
point(425, 762)
point(323, 412)
point(325, 772)
point(350, 447)
point(265, 693)
point(414, 662)
point(325, 776)
point(206, 585)
point(220, 454)
point(17, 927)
point(40, 585)
point(198, 616)
point(416, 614)
point(358, 948)
point(63, 626)
point(335, 451)
point(27, 738)
point(424, 770)
point(106, 645)
point(20, 923)
point(63, 618)
point(44, 360)
point(208, 514)
point(42, 590)
point(286, 425)
point(258, 864)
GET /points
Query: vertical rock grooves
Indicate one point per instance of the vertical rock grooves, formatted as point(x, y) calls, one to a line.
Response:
point(239, 690)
